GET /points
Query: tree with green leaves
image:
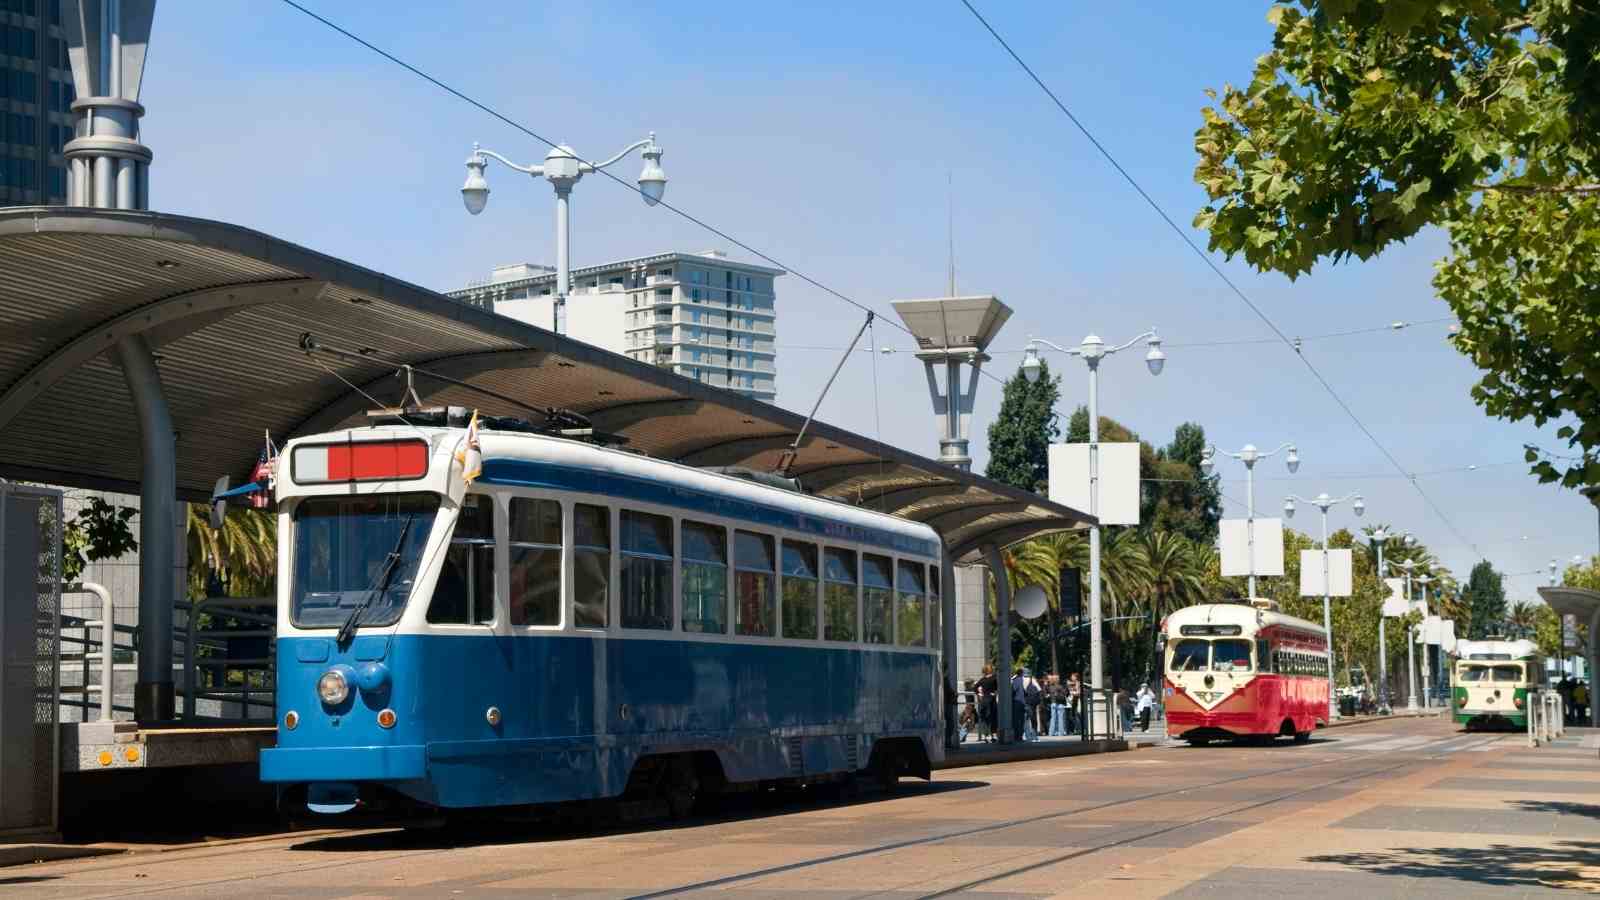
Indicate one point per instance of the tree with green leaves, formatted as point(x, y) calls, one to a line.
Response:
point(1369, 120)
point(99, 531)
point(1486, 600)
point(1020, 437)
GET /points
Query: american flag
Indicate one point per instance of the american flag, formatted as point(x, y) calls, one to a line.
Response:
point(262, 475)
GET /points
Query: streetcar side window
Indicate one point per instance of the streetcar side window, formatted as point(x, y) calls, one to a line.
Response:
point(646, 571)
point(755, 576)
point(705, 578)
point(1230, 656)
point(877, 597)
point(800, 590)
point(910, 609)
point(1189, 656)
point(839, 595)
point(935, 633)
point(534, 558)
point(591, 565)
point(1264, 654)
point(464, 594)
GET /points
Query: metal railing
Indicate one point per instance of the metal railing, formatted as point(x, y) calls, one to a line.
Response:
point(94, 655)
point(228, 659)
point(223, 659)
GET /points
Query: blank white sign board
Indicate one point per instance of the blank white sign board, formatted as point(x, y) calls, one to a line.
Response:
point(1339, 563)
point(1119, 480)
point(1394, 605)
point(1268, 545)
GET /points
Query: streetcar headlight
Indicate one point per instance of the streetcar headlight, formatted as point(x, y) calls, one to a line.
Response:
point(333, 687)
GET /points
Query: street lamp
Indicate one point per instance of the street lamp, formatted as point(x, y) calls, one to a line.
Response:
point(1410, 565)
point(563, 169)
point(1427, 660)
point(1323, 502)
point(1092, 350)
point(1380, 537)
point(1249, 455)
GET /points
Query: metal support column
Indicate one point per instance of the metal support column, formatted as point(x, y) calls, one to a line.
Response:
point(1002, 614)
point(947, 620)
point(158, 509)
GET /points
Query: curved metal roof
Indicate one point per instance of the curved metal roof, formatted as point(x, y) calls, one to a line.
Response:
point(225, 306)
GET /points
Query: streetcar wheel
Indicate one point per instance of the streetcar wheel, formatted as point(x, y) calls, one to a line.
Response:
point(1302, 737)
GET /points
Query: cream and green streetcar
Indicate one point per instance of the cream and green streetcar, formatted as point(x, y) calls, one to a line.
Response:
point(1493, 679)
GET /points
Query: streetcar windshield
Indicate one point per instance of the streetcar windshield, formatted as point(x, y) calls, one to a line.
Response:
point(342, 547)
point(1230, 656)
point(1507, 673)
point(1190, 656)
point(1470, 674)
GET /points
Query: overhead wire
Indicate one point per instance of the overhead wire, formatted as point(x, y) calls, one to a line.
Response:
point(496, 114)
point(1217, 270)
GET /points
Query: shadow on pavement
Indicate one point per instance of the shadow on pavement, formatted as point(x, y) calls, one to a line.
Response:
point(1565, 864)
point(1587, 810)
point(482, 831)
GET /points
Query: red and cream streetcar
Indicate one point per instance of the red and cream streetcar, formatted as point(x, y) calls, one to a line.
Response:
point(1244, 670)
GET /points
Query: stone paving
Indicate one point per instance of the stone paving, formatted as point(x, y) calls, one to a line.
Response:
point(1399, 808)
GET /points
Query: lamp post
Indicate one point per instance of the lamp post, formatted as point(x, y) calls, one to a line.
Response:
point(1423, 581)
point(1249, 455)
point(1092, 350)
point(563, 169)
point(1323, 502)
point(1380, 536)
point(1411, 646)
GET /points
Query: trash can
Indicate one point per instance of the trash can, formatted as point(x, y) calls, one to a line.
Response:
point(1347, 706)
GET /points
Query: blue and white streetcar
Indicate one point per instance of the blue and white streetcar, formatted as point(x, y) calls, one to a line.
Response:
point(581, 623)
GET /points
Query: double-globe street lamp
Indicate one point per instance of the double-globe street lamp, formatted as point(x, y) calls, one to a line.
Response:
point(1324, 502)
point(1421, 635)
point(1379, 537)
point(562, 168)
point(1249, 455)
point(1092, 350)
point(1410, 566)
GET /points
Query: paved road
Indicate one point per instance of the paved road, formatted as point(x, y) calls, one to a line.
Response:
point(1405, 808)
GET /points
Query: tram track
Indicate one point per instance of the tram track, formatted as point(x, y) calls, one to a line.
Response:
point(894, 846)
point(400, 853)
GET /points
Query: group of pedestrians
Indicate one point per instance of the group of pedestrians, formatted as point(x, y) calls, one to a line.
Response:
point(1575, 700)
point(1053, 708)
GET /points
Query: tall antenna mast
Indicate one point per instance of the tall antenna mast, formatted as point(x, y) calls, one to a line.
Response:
point(951, 199)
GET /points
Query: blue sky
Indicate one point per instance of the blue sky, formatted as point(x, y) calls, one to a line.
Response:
point(826, 138)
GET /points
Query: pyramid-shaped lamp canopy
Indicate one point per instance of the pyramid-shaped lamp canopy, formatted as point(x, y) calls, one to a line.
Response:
point(953, 323)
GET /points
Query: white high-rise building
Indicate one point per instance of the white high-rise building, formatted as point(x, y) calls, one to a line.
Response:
point(701, 315)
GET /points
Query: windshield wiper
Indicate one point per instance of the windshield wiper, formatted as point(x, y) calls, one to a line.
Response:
point(381, 586)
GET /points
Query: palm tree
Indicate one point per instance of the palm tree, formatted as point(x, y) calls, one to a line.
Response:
point(1176, 577)
point(1523, 618)
point(243, 554)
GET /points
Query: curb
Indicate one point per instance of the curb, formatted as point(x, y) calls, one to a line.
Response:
point(1030, 753)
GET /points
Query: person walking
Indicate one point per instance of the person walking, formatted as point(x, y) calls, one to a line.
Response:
point(1580, 702)
point(1074, 704)
point(1032, 697)
point(1143, 705)
point(1056, 696)
point(988, 713)
point(1019, 707)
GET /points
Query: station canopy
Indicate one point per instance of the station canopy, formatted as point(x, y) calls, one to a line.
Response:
point(224, 308)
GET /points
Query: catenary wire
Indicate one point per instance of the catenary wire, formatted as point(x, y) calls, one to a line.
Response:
point(491, 111)
point(1217, 270)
